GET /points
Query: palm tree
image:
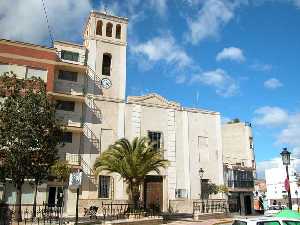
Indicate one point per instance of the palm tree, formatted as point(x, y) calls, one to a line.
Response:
point(133, 161)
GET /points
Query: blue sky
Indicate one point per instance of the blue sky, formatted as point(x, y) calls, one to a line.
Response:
point(238, 57)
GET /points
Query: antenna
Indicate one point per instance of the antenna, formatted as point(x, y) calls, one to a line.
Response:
point(48, 25)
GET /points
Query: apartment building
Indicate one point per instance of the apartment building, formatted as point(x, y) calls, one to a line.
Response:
point(88, 83)
point(239, 165)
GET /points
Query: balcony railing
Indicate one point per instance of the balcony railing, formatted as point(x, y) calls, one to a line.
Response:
point(72, 159)
point(240, 183)
point(69, 87)
point(69, 118)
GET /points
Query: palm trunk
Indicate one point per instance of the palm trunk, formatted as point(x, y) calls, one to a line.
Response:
point(134, 194)
point(34, 201)
point(18, 207)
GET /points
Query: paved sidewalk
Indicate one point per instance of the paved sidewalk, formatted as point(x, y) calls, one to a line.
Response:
point(204, 222)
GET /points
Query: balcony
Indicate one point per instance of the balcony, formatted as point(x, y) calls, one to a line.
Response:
point(69, 87)
point(240, 184)
point(70, 119)
point(71, 159)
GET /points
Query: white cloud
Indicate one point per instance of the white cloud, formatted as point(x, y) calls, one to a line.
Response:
point(267, 164)
point(180, 79)
point(223, 83)
point(291, 134)
point(272, 83)
point(270, 116)
point(231, 53)
point(160, 6)
point(25, 21)
point(261, 67)
point(163, 48)
point(297, 3)
point(212, 16)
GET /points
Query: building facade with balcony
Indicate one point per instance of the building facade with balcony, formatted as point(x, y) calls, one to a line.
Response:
point(87, 83)
point(239, 166)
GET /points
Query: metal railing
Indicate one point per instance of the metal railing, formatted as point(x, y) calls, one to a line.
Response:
point(240, 183)
point(210, 206)
point(44, 214)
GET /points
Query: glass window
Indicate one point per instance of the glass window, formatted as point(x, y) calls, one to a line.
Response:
point(38, 73)
point(99, 28)
point(268, 223)
point(65, 105)
point(118, 31)
point(106, 63)
point(238, 222)
point(72, 56)
point(291, 222)
point(67, 137)
point(104, 186)
point(109, 29)
point(67, 75)
point(155, 138)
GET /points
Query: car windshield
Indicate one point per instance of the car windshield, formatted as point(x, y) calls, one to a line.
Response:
point(238, 222)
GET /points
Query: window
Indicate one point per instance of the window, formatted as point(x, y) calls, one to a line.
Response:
point(104, 186)
point(118, 31)
point(290, 222)
point(109, 29)
point(72, 56)
point(38, 73)
point(65, 105)
point(106, 63)
point(268, 223)
point(155, 138)
point(67, 137)
point(180, 193)
point(99, 28)
point(67, 75)
point(238, 222)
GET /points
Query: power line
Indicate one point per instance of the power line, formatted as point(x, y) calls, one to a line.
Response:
point(48, 25)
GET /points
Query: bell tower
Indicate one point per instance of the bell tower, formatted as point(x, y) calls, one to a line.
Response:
point(105, 39)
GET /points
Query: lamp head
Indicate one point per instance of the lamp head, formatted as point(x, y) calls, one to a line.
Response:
point(285, 155)
point(201, 172)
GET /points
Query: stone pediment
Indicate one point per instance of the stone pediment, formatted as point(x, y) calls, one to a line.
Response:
point(152, 100)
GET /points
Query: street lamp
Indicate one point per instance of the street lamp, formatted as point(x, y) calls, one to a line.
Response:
point(201, 172)
point(296, 192)
point(285, 154)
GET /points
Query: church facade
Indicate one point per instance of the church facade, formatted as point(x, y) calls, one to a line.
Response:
point(88, 84)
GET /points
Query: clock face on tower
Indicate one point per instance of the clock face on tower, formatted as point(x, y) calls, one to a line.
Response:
point(106, 83)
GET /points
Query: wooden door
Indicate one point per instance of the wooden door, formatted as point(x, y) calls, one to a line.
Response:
point(153, 193)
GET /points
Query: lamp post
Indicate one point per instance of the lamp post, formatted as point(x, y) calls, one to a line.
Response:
point(296, 192)
point(201, 172)
point(285, 154)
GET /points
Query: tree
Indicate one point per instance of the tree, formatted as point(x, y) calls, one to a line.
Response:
point(212, 189)
point(61, 171)
point(223, 189)
point(133, 161)
point(29, 132)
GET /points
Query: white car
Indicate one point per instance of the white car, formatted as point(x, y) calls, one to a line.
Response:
point(267, 221)
point(274, 209)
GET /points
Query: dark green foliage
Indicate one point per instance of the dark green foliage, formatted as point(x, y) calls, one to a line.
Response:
point(133, 161)
point(61, 170)
point(29, 132)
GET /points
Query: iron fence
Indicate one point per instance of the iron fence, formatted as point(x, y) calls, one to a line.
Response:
point(53, 214)
point(43, 214)
point(210, 206)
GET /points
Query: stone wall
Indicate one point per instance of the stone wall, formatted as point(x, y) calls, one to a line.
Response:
point(181, 206)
